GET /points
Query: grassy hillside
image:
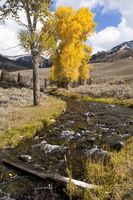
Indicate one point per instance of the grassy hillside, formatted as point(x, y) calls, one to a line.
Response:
point(113, 69)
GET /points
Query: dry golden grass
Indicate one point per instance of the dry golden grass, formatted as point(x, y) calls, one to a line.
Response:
point(19, 119)
point(49, 108)
point(114, 79)
point(43, 72)
point(115, 180)
point(113, 69)
point(109, 70)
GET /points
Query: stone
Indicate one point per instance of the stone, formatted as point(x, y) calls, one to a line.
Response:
point(89, 114)
point(117, 145)
point(91, 140)
point(68, 134)
point(36, 138)
point(53, 121)
point(98, 154)
point(131, 123)
point(25, 158)
point(48, 148)
point(112, 106)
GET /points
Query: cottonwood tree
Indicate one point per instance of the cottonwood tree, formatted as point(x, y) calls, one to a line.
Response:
point(72, 56)
point(36, 33)
point(85, 67)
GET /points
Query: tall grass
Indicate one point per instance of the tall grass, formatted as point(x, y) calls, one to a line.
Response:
point(115, 180)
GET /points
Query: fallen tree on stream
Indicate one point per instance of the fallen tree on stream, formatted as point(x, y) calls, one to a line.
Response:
point(46, 175)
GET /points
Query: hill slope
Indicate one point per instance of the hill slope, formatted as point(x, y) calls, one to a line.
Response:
point(122, 51)
point(13, 63)
point(113, 69)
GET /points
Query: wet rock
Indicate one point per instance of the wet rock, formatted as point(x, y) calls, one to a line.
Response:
point(67, 134)
point(89, 114)
point(69, 123)
point(53, 121)
point(126, 136)
point(91, 140)
point(112, 106)
point(117, 145)
point(4, 196)
point(36, 138)
point(87, 131)
point(88, 119)
point(46, 193)
point(20, 189)
point(131, 123)
point(26, 158)
point(64, 110)
point(48, 148)
point(98, 154)
point(62, 126)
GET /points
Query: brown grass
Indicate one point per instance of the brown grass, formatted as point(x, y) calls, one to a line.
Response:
point(113, 79)
point(19, 119)
point(43, 72)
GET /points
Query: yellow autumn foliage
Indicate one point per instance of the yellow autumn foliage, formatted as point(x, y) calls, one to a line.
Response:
point(70, 60)
point(72, 55)
point(84, 71)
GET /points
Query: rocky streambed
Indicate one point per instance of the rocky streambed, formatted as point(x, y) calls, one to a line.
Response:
point(86, 130)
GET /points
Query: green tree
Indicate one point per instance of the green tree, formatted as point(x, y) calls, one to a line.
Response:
point(35, 35)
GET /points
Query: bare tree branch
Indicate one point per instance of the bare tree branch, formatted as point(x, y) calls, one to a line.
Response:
point(19, 22)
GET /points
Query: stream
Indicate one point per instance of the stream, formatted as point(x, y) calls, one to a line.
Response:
point(80, 133)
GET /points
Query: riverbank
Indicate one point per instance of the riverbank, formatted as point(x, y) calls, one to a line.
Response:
point(81, 96)
point(89, 141)
point(19, 120)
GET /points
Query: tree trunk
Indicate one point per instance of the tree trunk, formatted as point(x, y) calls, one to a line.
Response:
point(82, 81)
point(36, 79)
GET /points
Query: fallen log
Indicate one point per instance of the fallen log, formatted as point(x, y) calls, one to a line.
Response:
point(43, 175)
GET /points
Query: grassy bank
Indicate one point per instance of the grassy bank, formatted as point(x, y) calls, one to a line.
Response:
point(23, 122)
point(123, 102)
point(115, 180)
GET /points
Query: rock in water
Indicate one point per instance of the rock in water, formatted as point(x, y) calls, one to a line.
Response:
point(117, 146)
point(26, 158)
point(98, 154)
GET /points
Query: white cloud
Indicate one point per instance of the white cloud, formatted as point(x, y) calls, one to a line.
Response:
point(8, 38)
point(80, 3)
point(125, 7)
point(102, 40)
point(111, 36)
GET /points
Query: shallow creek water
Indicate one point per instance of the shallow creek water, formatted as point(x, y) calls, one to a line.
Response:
point(80, 133)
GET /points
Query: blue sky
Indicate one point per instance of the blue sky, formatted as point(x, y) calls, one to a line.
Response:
point(113, 17)
point(106, 19)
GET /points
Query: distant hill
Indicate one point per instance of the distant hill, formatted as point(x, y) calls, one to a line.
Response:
point(122, 51)
point(8, 64)
point(26, 61)
point(13, 63)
